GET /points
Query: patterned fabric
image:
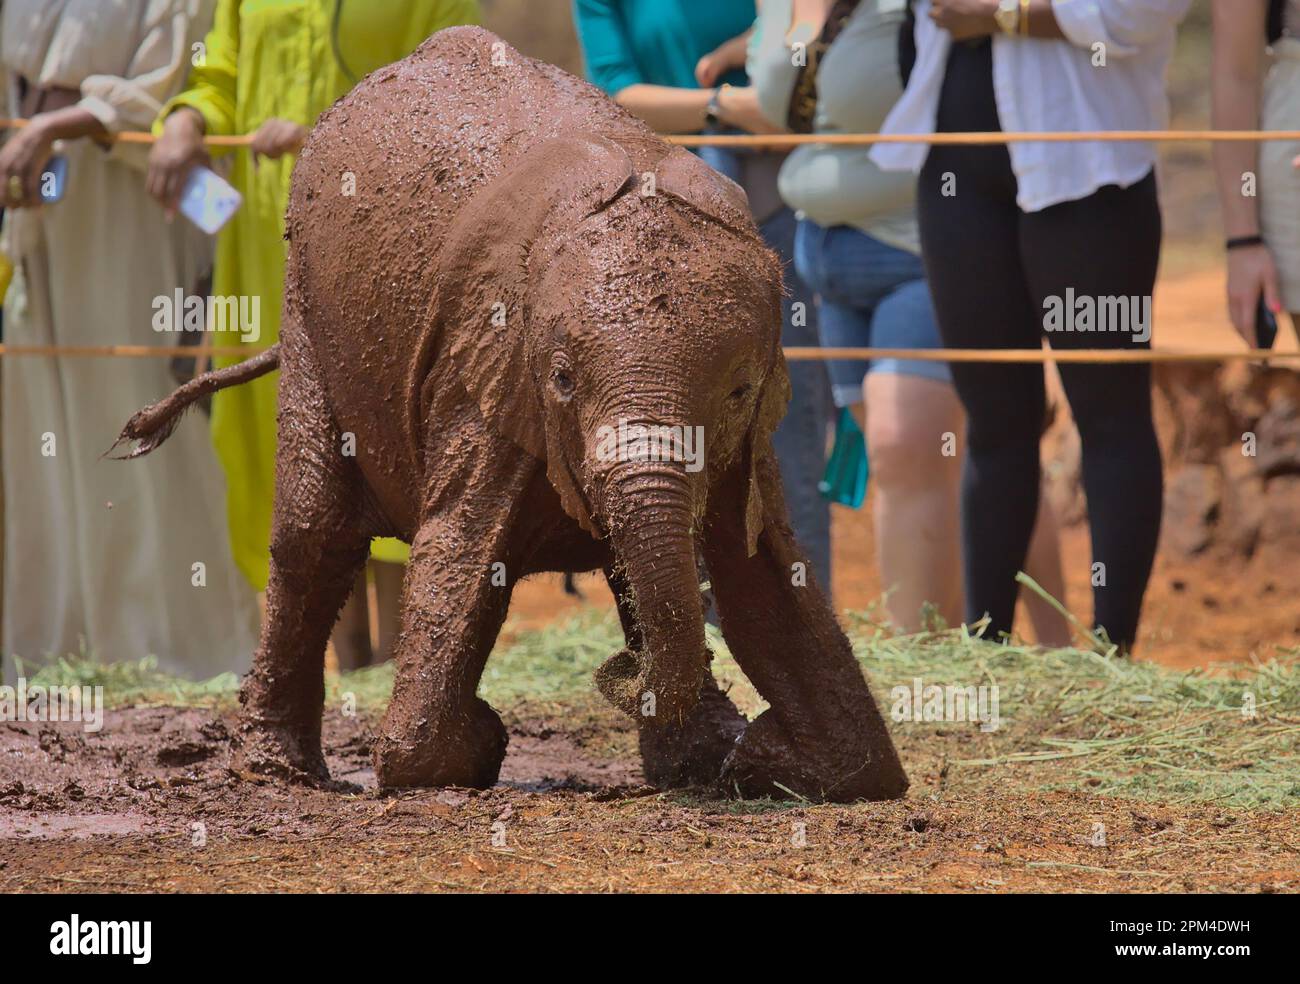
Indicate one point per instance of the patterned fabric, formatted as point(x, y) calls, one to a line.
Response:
point(803, 101)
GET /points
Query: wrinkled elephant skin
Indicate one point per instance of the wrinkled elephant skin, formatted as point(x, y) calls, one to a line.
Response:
point(494, 272)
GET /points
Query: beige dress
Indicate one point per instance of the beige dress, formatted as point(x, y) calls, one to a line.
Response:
point(1279, 180)
point(121, 559)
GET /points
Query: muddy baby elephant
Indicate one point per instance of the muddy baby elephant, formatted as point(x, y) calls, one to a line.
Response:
point(524, 334)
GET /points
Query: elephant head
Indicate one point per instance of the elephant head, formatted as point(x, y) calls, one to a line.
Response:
point(601, 317)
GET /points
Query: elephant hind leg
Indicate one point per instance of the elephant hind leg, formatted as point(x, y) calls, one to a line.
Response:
point(692, 753)
point(317, 547)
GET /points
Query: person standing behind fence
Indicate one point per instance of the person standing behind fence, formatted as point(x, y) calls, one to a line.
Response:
point(1258, 189)
point(832, 66)
point(125, 561)
point(1033, 239)
point(271, 69)
point(660, 59)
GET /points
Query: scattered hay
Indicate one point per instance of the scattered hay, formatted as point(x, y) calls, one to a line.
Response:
point(1070, 720)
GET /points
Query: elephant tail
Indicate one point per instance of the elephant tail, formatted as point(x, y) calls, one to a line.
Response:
point(149, 427)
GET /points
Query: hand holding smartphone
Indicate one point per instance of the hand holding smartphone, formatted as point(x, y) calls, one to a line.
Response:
point(209, 200)
point(1265, 325)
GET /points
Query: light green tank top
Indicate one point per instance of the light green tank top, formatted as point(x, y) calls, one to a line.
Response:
point(857, 86)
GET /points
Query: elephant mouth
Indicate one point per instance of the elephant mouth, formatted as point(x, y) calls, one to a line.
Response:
point(590, 518)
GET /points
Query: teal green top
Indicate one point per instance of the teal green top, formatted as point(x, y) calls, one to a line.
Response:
point(656, 42)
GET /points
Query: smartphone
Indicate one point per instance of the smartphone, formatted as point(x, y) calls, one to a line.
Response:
point(1265, 325)
point(209, 200)
point(54, 180)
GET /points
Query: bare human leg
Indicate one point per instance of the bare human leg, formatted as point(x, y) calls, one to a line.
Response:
point(912, 426)
point(351, 636)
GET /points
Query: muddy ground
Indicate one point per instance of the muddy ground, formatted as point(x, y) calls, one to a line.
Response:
point(148, 805)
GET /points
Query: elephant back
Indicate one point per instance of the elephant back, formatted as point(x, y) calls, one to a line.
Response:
point(382, 187)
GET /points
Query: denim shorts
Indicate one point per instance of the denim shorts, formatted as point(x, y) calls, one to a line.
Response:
point(870, 294)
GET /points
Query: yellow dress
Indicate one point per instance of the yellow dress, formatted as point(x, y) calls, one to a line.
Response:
point(281, 58)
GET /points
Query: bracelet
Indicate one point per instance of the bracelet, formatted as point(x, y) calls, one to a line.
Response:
point(1242, 242)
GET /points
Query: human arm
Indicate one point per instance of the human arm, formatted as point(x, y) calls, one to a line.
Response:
point(965, 19)
point(207, 105)
point(1236, 81)
point(109, 103)
point(607, 52)
point(27, 152)
point(726, 57)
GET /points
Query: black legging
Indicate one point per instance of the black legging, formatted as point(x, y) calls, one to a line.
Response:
point(990, 267)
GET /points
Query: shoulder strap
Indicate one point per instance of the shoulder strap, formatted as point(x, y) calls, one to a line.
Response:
point(803, 98)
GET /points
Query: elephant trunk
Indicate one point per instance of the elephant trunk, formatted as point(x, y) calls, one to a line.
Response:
point(649, 509)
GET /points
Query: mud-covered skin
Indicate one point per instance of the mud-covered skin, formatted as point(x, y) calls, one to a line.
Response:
point(521, 264)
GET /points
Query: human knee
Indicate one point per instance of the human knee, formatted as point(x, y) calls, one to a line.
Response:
point(908, 453)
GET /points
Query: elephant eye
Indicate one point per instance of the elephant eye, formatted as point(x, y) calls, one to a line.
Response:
point(740, 392)
point(562, 382)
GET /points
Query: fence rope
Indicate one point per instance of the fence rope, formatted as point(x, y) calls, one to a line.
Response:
point(786, 140)
point(792, 354)
point(774, 141)
point(795, 353)
point(142, 136)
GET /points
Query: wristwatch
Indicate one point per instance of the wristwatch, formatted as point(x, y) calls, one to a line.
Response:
point(713, 112)
point(1008, 16)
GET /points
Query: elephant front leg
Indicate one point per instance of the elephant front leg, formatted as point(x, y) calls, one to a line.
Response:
point(690, 753)
point(437, 731)
point(823, 736)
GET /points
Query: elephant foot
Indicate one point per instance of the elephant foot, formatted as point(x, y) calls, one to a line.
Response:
point(766, 762)
point(468, 752)
point(692, 754)
point(280, 752)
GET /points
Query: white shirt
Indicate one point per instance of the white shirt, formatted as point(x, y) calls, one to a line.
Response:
point(1042, 84)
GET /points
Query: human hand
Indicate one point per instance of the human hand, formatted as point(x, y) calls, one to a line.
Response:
point(709, 69)
point(22, 161)
point(275, 138)
point(1251, 271)
point(177, 152)
point(965, 19)
point(738, 107)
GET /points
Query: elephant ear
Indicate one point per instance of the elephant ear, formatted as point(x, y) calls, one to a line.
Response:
point(483, 291)
point(687, 178)
point(772, 402)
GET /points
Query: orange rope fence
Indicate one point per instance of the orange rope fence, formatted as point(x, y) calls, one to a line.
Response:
point(143, 137)
point(776, 141)
point(785, 140)
point(793, 354)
